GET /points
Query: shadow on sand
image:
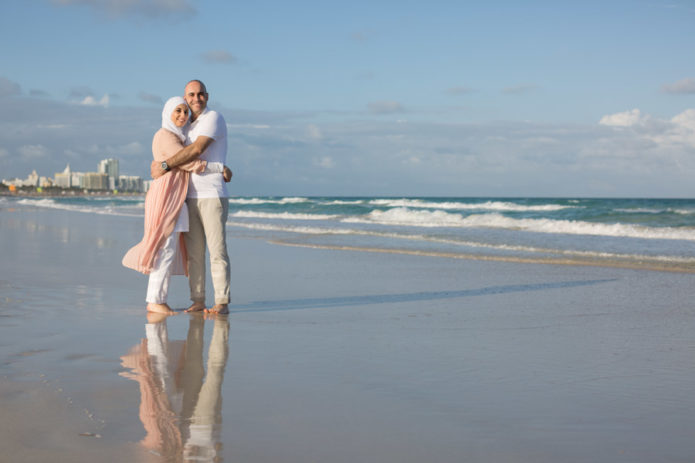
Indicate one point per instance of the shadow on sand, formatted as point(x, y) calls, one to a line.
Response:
point(310, 303)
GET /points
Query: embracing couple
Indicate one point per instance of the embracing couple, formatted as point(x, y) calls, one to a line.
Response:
point(187, 204)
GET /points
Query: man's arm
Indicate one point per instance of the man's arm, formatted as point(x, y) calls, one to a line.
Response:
point(186, 154)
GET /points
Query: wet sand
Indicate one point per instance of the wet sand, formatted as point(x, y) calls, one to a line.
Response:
point(337, 356)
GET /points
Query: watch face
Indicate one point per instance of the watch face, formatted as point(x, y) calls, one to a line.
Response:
point(165, 166)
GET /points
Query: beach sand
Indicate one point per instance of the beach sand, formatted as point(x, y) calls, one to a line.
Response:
point(336, 356)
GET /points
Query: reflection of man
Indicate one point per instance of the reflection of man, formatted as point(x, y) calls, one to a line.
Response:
point(204, 436)
point(207, 200)
point(181, 413)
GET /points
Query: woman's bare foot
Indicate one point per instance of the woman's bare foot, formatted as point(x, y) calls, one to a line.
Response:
point(221, 309)
point(159, 308)
point(196, 307)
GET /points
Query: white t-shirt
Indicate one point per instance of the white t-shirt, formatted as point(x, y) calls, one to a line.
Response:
point(209, 184)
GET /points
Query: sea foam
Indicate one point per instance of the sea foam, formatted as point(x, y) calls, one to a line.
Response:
point(430, 219)
point(455, 205)
point(281, 215)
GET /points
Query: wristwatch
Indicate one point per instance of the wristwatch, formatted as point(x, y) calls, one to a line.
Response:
point(165, 166)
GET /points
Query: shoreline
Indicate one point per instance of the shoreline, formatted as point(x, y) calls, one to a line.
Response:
point(673, 268)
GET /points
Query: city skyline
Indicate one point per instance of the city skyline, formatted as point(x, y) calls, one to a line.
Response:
point(106, 178)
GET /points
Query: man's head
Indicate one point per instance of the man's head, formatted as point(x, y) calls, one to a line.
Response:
point(196, 95)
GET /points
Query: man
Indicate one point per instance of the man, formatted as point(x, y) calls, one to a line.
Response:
point(207, 200)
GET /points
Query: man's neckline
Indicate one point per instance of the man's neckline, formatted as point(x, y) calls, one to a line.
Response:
point(198, 117)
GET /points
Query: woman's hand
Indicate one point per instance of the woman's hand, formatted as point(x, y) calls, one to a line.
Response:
point(156, 170)
point(227, 174)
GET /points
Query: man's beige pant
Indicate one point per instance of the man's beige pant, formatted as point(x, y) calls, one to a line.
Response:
point(206, 224)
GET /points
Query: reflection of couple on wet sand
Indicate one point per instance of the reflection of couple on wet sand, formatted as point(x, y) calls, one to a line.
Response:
point(181, 413)
point(186, 206)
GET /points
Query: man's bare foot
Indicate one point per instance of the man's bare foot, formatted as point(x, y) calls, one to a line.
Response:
point(159, 308)
point(221, 309)
point(196, 307)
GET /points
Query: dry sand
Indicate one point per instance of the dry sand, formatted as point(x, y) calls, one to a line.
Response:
point(339, 356)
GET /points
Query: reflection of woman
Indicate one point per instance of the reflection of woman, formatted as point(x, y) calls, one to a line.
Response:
point(162, 251)
point(149, 364)
point(181, 413)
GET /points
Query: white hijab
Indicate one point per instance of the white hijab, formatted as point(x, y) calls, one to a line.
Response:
point(167, 123)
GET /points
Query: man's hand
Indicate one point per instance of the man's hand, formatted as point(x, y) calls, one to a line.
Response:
point(156, 170)
point(227, 174)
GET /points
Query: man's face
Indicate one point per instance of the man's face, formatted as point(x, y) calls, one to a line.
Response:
point(196, 97)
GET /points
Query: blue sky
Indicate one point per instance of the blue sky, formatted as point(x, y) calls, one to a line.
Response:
point(494, 98)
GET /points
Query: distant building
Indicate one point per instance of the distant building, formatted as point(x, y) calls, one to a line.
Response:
point(77, 179)
point(95, 181)
point(130, 183)
point(31, 180)
point(11, 183)
point(63, 179)
point(110, 168)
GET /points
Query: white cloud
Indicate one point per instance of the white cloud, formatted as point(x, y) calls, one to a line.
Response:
point(9, 88)
point(33, 151)
point(651, 144)
point(624, 119)
point(91, 101)
point(219, 56)
point(385, 107)
point(682, 86)
point(686, 119)
point(680, 132)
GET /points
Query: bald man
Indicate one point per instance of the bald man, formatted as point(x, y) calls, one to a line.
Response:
point(207, 200)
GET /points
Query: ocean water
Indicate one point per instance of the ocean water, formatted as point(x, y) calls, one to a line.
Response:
point(641, 233)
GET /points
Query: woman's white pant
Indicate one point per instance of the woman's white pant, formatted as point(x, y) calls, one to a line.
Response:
point(158, 286)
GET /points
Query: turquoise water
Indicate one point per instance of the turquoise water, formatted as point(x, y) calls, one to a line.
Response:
point(652, 233)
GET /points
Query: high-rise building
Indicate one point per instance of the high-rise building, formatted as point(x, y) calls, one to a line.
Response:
point(130, 183)
point(95, 181)
point(110, 168)
point(64, 179)
point(77, 179)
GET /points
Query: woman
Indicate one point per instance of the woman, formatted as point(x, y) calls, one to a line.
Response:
point(162, 251)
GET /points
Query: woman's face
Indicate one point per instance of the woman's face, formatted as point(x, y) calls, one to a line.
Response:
point(180, 115)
